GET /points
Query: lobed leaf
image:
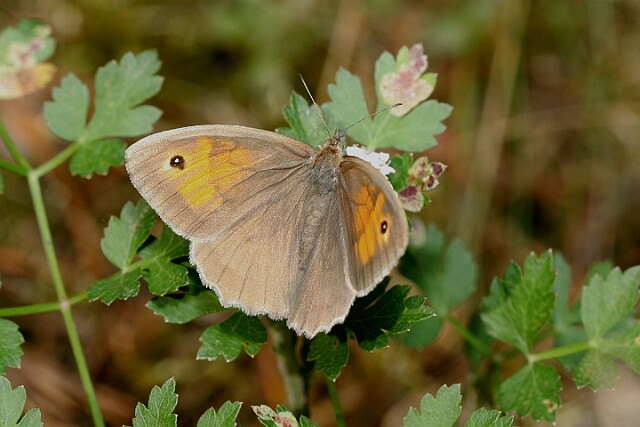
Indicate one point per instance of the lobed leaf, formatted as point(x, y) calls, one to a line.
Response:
point(12, 405)
point(440, 411)
point(66, 115)
point(532, 390)
point(159, 411)
point(488, 418)
point(122, 285)
point(11, 341)
point(225, 417)
point(304, 121)
point(125, 234)
point(194, 301)
point(525, 305)
point(329, 353)
point(120, 89)
point(97, 157)
point(606, 301)
point(228, 338)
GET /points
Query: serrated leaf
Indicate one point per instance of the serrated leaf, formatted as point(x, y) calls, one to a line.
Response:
point(119, 286)
point(120, 89)
point(348, 105)
point(194, 302)
point(228, 338)
point(329, 353)
point(225, 417)
point(605, 302)
point(441, 411)
point(66, 115)
point(596, 370)
point(532, 390)
point(11, 341)
point(488, 418)
point(12, 404)
point(163, 276)
point(170, 246)
point(529, 303)
point(627, 348)
point(126, 233)
point(371, 322)
point(159, 411)
point(304, 121)
point(401, 163)
point(446, 274)
point(423, 333)
point(97, 157)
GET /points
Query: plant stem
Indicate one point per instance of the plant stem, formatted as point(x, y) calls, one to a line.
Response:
point(468, 336)
point(558, 352)
point(39, 308)
point(335, 402)
point(63, 300)
point(13, 150)
point(57, 160)
point(12, 167)
point(292, 367)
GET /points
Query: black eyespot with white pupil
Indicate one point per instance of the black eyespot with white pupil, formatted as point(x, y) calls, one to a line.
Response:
point(384, 227)
point(177, 162)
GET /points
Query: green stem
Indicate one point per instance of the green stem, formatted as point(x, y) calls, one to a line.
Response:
point(13, 150)
point(468, 336)
point(333, 394)
point(46, 307)
point(57, 160)
point(12, 167)
point(63, 300)
point(292, 367)
point(558, 352)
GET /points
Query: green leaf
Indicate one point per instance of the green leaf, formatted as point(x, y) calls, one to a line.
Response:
point(162, 275)
point(119, 286)
point(304, 121)
point(528, 305)
point(10, 341)
point(66, 115)
point(627, 348)
point(596, 370)
point(373, 317)
point(97, 157)
point(532, 390)
point(488, 418)
point(225, 417)
point(12, 404)
point(228, 338)
point(329, 353)
point(159, 412)
point(446, 274)
point(605, 302)
point(423, 333)
point(348, 105)
point(194, 301)
point(441, 411)
point(120, 89)
point(124, 235)
point(401, 163)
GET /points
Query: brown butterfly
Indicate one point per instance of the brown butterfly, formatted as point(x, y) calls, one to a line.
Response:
point(276, 227)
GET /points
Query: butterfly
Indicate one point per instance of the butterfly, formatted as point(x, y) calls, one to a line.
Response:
point(276, 227)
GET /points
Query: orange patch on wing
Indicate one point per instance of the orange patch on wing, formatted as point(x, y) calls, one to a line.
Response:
point(211, 168)
point(369, 219)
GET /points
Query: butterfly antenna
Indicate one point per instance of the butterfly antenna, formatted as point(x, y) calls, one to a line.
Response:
point(373, 114)
point(316, 104)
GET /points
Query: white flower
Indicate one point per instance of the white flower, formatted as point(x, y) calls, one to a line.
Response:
point(379, 161)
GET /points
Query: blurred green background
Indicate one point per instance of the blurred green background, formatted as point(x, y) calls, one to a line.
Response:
point(543, 150)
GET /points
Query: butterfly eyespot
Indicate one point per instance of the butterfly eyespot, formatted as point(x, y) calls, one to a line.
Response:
point(177, 162)
point(383, 227)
